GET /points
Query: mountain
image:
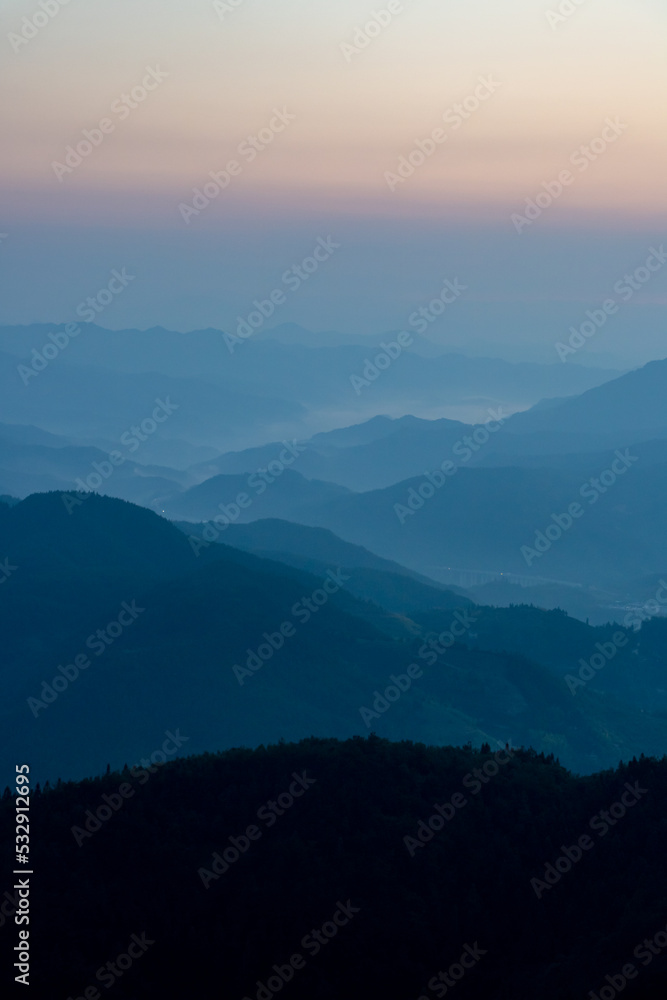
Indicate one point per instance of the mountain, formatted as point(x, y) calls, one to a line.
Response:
point(277, 539)
point(293, 333)
point(195, 420)
point(494, 521)
point(28, 468)
point(627, 662)
point(510, 877)
point(314, 550)
point(243, 498)
point(316, 378)
point(362, 457)
point(623, 411)
point(107, 556)
point(563, 433)
point(359, 434)
point(29, 436)
point(140, 631)
point(585, 603)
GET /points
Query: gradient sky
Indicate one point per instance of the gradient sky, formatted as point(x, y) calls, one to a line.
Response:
point(325, 174)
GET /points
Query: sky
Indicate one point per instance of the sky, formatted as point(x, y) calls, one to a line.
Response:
point(338, 96)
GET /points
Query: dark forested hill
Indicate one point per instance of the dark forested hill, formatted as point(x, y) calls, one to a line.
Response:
point(357, 869)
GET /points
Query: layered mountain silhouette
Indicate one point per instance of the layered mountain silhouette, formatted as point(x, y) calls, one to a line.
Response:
point(371, 578)
point(556, 433)
point(103, 381)
point(140, 630)
point(500, 510)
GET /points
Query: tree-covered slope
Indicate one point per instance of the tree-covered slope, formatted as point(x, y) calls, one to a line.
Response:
point(368, 867)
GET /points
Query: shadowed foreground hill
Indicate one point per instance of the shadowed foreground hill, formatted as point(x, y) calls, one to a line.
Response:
point(325, 872)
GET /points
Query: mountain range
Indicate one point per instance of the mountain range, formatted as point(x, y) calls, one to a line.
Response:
point(110, 662)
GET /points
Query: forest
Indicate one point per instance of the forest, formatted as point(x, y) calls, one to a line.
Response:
point(357, 868)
